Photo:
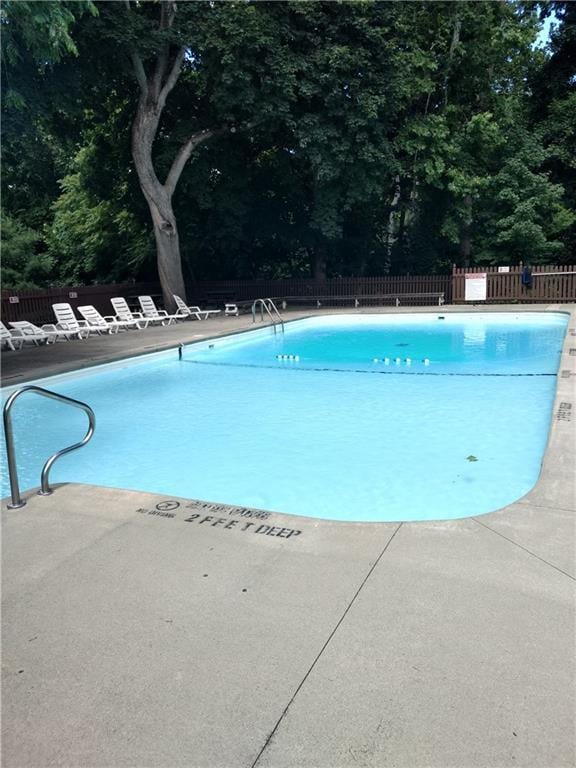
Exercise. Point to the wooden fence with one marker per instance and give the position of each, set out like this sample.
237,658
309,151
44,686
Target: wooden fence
549,284
555,285
334,288
36,306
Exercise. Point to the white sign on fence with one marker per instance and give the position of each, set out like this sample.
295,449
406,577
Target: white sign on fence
475,286
503,269
13,300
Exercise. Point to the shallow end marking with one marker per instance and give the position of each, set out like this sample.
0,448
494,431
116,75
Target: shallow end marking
226,517
564,412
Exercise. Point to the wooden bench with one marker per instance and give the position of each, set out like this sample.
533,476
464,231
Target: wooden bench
397,297
357,301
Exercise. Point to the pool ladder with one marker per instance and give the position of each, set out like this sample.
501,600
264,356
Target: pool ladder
45,489
268,306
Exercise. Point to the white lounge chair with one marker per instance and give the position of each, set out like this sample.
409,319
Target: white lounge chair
194,311
124,313
11,339
106,324
158,315
66,320
47,333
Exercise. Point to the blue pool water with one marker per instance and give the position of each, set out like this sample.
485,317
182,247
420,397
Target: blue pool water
333,434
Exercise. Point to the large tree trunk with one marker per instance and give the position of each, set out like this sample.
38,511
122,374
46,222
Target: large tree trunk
159,201
155,86
392,228
319,265
169,261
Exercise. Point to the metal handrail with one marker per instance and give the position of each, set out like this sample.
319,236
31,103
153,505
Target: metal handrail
45,490
269,306
274,308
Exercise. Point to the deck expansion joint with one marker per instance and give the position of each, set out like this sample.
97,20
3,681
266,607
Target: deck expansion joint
330,636
524,549
549,507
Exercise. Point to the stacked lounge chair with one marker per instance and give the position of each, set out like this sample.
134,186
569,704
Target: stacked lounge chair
66,320
123,312
47,333
107,324
68,326
13,340
156,315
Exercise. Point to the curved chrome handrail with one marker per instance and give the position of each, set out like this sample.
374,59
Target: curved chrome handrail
274,308
268,305
45,490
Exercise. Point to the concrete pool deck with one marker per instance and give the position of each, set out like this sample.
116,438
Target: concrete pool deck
146,631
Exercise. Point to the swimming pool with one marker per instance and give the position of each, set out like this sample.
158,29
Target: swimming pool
351,417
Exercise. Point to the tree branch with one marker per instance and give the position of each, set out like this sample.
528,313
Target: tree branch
173,76
138,65
140,73
182,158
167,13
159,71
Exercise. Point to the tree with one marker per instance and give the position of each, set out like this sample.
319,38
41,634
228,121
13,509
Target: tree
278,139
35,38
95,234
553,106
155,87
23,266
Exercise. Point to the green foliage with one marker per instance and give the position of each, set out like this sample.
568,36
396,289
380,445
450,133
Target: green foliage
499,189
553,106
382,136
42,28
23,266
523,211
93,237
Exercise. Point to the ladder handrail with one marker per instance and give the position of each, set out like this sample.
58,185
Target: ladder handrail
17,501
269,306
263,306
273,307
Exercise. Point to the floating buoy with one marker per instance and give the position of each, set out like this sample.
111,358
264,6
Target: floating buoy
375,360
386,361
397,360
426,361
408,361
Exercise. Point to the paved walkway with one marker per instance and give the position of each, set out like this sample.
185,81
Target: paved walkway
146,631
48,360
